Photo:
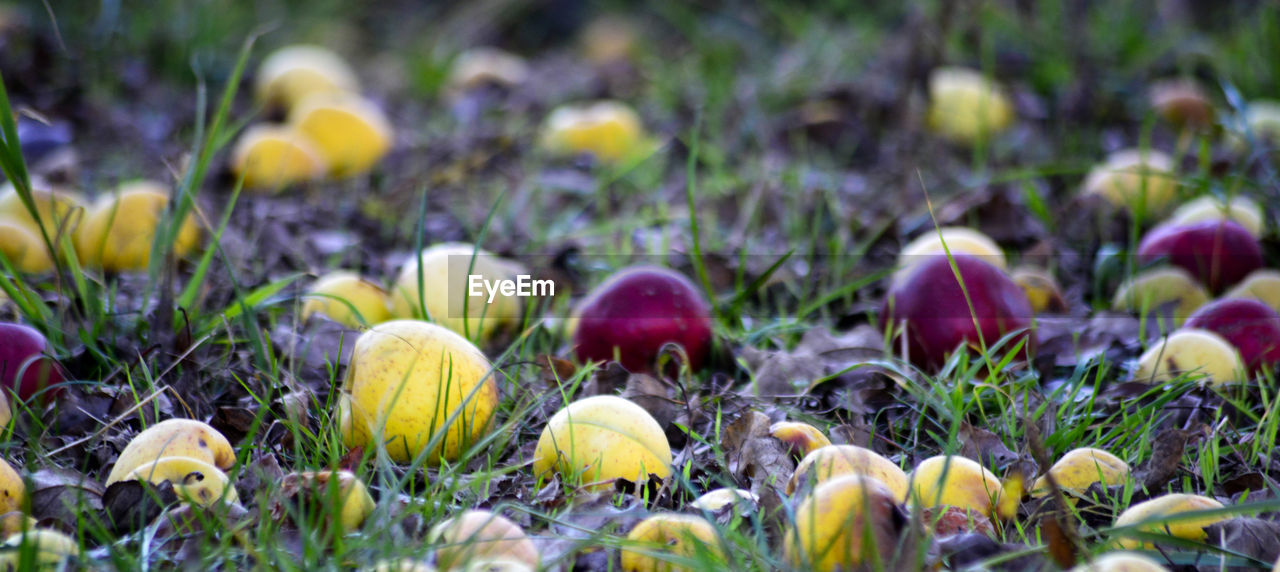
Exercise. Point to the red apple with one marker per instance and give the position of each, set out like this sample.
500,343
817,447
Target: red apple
25,367
1251,326
1219,253
929,307
636,311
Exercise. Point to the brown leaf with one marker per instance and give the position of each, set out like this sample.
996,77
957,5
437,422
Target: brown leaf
1167,449
131,505
949,520
63,495
553,371
1251,537
650,393
984,446
754,454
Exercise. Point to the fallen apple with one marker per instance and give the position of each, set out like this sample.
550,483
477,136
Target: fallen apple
800,438
484,67
596,440
1079,469
193,480
290,74
1262,285
691,541
1250,325
410,382
1261,123
608,130
273,157
173,438
965,106
834,461
26,368
118,231
351,132
24,248
460,287
1166,292
950,239
38,549
1135,178
1154,517
1219,253
1042,290
845,524
13,491
355,504
59,210
937,314
1183,103
610,39
635,312
960,482
1201,353
348,299
1241,209
480,534
718,499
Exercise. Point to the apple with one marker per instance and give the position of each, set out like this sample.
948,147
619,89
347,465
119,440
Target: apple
292,73
273,157
602,438
13,490
960,482
1152,517
611,131
1190,350
1121,562
833,461
25,366
931,310
1135,177
957,240
118,231
446,290
1182,103
1152,290
1262,120
38,549
477,534
799,438
24,248
1042,290
843,525
1262,285
58,208
670,535
351,132
1251,326
1219,253
348,299
636,311
1079,469
485,66
413,384
1241,209
965,106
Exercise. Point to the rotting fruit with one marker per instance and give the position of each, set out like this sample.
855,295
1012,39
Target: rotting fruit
637,311
602,438
355,502
409,381
193,480
1079,469
1153,517
932,311
174,438
800,438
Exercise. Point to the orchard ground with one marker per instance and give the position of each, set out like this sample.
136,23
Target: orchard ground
792,162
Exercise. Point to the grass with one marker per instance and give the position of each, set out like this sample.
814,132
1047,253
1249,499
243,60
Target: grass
205,336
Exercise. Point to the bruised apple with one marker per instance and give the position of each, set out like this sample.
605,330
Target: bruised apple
1251,326
1219,253
25,366
638,310
932,311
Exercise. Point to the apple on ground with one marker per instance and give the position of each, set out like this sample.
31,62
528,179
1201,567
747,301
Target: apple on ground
1219,253
932,310
1251,326
636,311
26,368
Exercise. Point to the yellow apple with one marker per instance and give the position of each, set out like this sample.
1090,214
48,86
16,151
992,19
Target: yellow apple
1134,177
447,284
1191,350
965,106
292,73
600,439
348,299
609,130
272,157
350,132
836,460
118,231
477,534
657,540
